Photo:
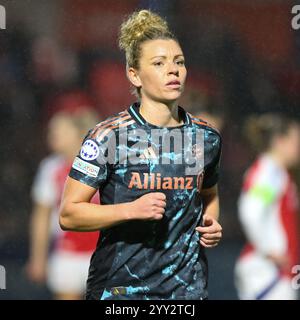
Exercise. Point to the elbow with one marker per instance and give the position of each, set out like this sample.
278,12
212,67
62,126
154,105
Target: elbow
66,219
64,224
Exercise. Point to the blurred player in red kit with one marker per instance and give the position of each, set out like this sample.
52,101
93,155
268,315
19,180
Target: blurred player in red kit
59,258
268,211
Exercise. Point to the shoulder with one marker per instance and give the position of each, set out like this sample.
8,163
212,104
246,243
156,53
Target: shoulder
265,175
51,162
272,174
108,127
46,171
212,137
203,124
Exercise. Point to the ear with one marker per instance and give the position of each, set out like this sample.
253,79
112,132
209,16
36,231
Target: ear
133,77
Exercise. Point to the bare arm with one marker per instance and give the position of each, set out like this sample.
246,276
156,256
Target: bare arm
76,213
252,212
211,230
39,242
211,202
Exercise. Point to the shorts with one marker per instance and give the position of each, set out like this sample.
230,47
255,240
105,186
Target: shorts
257,278
68,272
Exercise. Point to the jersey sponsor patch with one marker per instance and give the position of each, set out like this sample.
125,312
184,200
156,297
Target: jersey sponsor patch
85,167
89,150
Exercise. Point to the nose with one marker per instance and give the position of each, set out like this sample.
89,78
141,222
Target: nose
173,69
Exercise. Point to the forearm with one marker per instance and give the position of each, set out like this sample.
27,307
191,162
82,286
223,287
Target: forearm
84,216
39,233
212,209
210,230
78,214
211,204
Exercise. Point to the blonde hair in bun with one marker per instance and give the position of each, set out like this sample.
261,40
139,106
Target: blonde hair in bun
139,27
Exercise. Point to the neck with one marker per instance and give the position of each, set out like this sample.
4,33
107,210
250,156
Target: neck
160,114
278,158
69,155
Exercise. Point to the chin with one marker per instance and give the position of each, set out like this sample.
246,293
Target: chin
173,96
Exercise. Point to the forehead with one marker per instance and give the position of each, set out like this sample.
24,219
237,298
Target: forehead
295,129
160,47
59,121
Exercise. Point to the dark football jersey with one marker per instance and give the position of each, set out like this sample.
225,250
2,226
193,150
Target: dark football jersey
126,157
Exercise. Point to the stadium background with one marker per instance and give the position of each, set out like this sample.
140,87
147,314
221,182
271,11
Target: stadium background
56,54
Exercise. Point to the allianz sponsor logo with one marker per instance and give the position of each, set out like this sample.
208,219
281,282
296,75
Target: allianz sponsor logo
2,18
156,181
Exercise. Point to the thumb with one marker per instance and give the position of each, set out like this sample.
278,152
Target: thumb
207,221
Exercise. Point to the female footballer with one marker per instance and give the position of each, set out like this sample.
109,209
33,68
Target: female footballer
61,259
156,167
268,211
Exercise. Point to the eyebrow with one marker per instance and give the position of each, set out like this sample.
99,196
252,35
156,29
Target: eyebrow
178,55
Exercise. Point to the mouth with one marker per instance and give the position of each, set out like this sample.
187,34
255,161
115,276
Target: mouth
175,84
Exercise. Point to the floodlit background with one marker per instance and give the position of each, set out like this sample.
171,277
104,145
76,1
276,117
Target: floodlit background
57,54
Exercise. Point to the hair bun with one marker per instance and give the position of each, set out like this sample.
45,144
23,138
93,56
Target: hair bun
141,25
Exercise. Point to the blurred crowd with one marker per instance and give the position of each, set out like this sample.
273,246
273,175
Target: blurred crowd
229,77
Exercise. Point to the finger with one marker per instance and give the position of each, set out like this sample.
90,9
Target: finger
160,210
157,210
209,242
207,220
160,203
211,239
210,229
159,196
158,216
207,245
212,236
203,244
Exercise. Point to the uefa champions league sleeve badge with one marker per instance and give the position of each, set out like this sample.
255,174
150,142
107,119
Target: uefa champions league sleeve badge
89,150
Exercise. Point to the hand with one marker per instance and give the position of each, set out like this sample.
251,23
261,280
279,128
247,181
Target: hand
281,261
150,206
36,271
211,232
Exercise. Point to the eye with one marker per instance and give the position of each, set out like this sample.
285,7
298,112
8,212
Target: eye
180,62
158,63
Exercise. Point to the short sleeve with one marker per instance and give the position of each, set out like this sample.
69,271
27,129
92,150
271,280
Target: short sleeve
43,189
90,166
213,148
268,186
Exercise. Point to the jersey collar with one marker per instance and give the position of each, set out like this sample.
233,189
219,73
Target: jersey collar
135,113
